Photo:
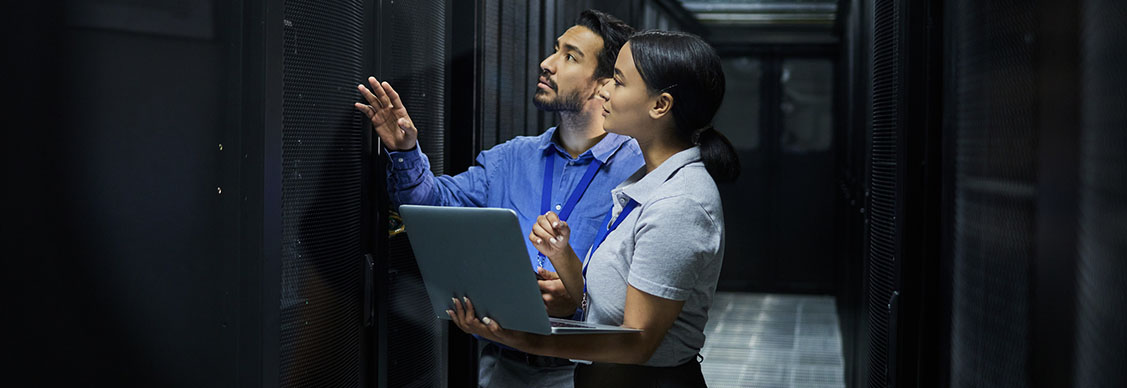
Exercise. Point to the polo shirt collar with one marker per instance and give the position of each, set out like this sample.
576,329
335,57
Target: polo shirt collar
644,187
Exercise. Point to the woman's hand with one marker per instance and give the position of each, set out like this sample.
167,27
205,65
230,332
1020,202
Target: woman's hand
550,236
487,328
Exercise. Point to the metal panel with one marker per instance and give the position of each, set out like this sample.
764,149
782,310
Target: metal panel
883,187
1102,245
414,56
416,348
321,194
994,105
535,54
414,49
491,72
509,66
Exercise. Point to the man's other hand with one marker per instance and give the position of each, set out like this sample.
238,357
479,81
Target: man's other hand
556,298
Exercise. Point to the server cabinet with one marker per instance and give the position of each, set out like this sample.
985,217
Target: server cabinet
308,242
1101,275
1101,287
413,55
891,183
212,231
322,247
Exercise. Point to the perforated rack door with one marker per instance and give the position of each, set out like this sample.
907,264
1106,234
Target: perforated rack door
883,233
994,105
413,58
1102,271
321,274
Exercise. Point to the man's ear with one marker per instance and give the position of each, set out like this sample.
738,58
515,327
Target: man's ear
662,106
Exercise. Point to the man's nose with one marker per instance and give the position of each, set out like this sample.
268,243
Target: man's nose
546,65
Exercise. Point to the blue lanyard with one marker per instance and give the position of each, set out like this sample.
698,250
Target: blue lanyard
546,194
602,236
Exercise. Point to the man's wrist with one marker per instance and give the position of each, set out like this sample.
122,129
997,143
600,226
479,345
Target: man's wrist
389,150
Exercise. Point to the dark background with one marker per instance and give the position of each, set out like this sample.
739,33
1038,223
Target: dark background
192,200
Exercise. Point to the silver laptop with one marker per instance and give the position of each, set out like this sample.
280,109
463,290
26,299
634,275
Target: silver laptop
480,253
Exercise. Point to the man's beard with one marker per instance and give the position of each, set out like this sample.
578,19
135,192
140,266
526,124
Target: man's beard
562,103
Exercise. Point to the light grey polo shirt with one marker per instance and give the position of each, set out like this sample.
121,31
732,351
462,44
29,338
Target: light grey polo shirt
670,246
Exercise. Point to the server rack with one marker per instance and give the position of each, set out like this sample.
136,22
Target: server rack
1100,273
981,219
890,175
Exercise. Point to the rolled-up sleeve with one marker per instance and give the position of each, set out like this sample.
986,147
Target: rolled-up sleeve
675,240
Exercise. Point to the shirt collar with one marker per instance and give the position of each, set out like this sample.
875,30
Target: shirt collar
641,186
602,150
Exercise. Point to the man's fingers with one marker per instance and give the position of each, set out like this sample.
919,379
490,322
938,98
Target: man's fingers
381,94
545,274
405,124
372,95
367,94
394,96
365,109
546,286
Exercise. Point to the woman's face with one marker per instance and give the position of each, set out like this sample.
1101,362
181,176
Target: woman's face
628,100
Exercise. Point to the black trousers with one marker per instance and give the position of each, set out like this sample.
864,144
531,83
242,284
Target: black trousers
619,375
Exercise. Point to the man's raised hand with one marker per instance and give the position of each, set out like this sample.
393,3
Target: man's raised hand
388,116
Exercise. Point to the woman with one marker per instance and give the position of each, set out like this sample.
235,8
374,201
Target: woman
656,265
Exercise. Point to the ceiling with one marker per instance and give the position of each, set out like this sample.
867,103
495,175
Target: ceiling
766,21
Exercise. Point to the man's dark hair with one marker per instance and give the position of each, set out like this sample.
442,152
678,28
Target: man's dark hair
614,32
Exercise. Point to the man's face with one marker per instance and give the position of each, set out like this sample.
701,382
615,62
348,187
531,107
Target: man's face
567,79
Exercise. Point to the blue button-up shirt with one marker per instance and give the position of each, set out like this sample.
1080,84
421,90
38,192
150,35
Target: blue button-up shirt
511,175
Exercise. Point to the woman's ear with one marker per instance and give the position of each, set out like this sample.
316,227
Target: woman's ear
662,106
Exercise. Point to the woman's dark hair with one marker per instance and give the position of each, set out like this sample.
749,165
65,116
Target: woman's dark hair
687,68
614,32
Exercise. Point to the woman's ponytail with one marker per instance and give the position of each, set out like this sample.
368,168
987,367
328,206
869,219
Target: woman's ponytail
687,68
718,155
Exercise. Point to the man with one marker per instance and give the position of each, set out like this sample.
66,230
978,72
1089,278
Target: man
569,169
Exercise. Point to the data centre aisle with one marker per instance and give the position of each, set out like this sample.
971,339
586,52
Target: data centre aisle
772,340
